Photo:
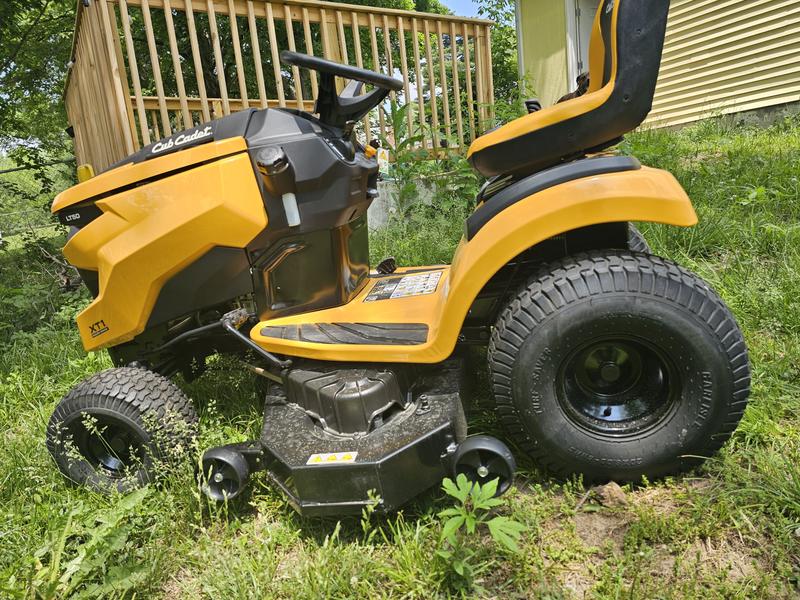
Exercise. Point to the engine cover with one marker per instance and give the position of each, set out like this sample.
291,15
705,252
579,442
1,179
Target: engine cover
348,400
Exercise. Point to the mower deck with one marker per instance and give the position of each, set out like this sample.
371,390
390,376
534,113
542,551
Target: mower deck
394,317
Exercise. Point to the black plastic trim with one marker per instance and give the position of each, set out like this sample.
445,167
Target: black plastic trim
524,188
366,334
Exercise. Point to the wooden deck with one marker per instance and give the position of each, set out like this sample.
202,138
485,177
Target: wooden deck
142,69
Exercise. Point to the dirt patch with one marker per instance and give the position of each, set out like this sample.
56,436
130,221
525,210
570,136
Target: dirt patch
179,584
727,556
596,529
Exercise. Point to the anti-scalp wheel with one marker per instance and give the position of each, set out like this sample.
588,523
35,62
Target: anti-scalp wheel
482,459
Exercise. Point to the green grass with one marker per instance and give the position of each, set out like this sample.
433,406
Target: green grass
728,530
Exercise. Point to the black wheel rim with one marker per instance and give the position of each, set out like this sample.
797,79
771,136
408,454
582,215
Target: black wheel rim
108,444
618,386
223,480
482,466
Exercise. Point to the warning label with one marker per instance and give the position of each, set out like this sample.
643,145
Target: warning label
418,284
332,458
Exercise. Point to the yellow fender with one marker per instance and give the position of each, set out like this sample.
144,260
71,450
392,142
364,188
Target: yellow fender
642,195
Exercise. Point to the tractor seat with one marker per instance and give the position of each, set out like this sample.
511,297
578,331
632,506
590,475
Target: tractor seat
624,59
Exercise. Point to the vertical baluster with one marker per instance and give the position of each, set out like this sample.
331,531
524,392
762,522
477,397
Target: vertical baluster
117,65
420,85
323,26
342,38
251,24
443,79
151,44
387,45
223,87
432,85
404,70
468,78
376,62
480,75
310,50
134,68
156,131
359,64
276,62
456,83
197,61
176,63
490,76
298,82
237,54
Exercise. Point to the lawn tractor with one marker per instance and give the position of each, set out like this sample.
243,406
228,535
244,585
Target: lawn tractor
248,236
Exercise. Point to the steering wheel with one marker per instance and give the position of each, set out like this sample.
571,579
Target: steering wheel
338,110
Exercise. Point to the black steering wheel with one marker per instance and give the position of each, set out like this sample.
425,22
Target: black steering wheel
338,110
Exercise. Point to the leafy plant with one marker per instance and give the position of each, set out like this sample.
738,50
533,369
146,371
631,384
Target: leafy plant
82,560
466,522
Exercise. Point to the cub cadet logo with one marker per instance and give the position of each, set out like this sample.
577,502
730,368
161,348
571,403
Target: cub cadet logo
98,328
181,140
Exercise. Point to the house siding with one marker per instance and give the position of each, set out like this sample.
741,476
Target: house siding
727,56
720,56
544,51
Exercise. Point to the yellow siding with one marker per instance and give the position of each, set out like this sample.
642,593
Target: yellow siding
720,57
726,56
544,51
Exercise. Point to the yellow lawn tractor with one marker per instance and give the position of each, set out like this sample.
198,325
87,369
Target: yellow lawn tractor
248,235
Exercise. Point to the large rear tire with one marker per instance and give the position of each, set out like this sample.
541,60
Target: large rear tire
119,429
617,366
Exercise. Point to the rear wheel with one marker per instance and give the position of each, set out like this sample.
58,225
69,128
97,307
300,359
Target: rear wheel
617,366
119,429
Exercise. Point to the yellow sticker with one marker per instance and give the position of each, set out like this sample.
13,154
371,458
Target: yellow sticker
332,458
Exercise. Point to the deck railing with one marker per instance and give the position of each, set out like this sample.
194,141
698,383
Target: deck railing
142,69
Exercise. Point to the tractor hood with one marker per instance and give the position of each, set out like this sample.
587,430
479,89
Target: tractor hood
133,173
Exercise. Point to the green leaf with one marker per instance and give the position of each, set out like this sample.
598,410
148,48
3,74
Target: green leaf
451,527
471,522
458,567
450,488
488,490
506,532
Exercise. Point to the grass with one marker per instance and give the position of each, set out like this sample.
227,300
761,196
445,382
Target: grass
728,530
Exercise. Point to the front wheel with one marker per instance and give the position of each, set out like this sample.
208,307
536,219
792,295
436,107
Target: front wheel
119,429
617,366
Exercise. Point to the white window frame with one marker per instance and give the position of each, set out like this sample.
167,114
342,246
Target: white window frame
571,12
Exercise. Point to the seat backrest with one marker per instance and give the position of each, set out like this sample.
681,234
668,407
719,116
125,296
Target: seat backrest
624,60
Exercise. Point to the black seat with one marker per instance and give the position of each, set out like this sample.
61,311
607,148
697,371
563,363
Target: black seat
625,56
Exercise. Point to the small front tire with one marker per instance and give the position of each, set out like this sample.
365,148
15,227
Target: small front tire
617,366
118,429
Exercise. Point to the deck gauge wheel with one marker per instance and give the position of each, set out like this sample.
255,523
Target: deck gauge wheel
225,474
483,459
